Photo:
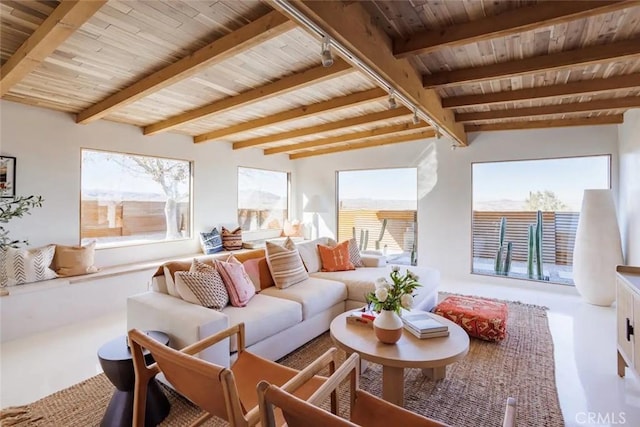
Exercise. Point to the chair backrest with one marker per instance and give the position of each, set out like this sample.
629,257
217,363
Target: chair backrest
209,386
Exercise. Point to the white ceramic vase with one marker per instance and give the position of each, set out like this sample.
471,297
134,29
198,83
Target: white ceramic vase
388,327
597,248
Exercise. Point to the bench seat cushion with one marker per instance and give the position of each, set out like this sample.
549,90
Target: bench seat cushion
314,294
264,316
481,318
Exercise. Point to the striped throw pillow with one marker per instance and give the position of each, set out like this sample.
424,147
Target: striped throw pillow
232,240
285,264
25,266
205,289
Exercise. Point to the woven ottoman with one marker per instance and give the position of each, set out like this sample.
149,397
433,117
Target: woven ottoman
481,318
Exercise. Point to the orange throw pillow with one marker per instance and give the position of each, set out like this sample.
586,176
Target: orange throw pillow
336,258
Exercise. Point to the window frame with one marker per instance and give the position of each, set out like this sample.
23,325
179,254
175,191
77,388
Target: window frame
114,245
257,232
609,157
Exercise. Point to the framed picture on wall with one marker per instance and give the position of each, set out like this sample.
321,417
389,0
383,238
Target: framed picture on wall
8,176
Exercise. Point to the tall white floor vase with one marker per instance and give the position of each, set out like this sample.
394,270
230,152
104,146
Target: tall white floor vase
597,248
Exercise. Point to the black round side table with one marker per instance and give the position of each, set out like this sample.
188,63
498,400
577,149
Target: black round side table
117,363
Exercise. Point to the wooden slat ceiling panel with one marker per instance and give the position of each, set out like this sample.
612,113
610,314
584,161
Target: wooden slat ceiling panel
590,72
596,30
19,20
287,54
126,40
552,101
317,120
352,82
553,117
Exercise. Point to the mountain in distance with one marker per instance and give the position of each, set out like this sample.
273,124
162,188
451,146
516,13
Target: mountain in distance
378,205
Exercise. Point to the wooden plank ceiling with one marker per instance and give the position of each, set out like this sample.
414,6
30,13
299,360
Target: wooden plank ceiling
246,73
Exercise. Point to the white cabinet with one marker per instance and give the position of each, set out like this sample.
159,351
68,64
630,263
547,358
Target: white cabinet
628,316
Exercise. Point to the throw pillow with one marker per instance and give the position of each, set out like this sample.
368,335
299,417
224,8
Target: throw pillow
258,271
170,269
239,285
310,254
354,253
75,260
25,266
201,267
211,242
292,228
205,289
232,240
336,258
285,264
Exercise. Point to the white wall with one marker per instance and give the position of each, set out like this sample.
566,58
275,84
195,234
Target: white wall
444,212
629,195
47,147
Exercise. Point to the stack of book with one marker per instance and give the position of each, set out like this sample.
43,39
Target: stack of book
361,317
424,325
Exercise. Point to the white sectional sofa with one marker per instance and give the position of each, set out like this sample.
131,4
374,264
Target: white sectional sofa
277,321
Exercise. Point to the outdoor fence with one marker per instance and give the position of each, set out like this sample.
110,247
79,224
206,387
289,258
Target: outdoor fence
127,218
399,235
559,231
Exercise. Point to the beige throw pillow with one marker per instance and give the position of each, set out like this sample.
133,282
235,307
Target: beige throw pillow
285,264
75,260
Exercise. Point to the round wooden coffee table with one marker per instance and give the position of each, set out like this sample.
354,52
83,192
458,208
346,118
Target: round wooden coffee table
432,355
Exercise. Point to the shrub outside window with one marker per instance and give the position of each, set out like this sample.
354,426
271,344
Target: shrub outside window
131,199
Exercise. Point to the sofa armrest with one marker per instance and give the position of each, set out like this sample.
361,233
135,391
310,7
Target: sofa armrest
370,260
185,323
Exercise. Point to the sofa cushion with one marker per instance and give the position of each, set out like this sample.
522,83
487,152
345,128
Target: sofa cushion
361,281
263,316
354,253
206,289
232,239
259,273
239,285
335,258
75,260
285,264
211,242
21,266
315,295
310,254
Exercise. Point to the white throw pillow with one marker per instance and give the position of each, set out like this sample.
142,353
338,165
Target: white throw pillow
310,254
21,266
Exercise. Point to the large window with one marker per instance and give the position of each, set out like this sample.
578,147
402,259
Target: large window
379,208
263,198
507,197
128,199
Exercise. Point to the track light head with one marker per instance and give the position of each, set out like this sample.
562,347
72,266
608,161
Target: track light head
326,55
415,119
438,133
392,101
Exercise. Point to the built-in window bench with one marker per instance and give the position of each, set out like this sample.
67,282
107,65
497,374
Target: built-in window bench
41,306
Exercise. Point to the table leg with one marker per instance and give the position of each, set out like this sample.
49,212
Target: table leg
435,373
393,385
363,363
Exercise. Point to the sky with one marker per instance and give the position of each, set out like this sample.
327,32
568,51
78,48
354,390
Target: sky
381,184
568,178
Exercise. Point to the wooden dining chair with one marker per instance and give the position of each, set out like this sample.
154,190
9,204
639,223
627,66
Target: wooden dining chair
365,408
228,393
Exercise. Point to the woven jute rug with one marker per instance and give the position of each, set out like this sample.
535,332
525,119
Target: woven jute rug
473,393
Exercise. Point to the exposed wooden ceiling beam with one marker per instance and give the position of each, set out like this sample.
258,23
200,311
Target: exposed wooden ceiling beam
541,124
505,24
555,61
352,26
66,18
574,107
566,89
270,90
366,144
328,106
242,39
327,127
395,129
